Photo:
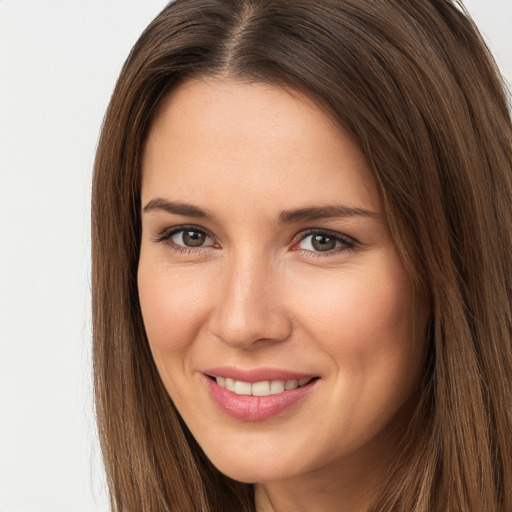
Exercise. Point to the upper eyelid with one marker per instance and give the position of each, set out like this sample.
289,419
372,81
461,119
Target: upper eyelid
319,231
170,231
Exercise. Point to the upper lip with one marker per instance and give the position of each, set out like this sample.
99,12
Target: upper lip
252,375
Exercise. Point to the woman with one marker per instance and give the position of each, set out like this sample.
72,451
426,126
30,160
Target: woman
301,250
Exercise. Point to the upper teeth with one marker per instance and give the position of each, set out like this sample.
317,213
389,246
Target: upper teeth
264,388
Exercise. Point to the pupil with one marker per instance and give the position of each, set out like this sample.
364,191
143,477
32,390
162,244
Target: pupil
323,243
193,238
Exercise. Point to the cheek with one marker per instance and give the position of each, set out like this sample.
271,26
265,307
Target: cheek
173,308
365,323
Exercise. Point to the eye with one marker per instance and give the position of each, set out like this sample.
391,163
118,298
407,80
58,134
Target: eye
185,238
190,238
324,241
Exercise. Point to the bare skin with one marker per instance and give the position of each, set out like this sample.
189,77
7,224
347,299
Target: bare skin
263,246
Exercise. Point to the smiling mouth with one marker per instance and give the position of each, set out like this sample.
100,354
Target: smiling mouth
263,388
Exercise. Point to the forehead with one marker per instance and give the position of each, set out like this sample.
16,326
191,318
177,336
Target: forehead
252,139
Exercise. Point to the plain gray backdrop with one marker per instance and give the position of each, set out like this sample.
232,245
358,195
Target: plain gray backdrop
58,64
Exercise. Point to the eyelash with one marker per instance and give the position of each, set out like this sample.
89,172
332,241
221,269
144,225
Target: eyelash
347,243
166,236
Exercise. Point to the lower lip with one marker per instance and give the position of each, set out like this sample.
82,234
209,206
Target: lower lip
256,408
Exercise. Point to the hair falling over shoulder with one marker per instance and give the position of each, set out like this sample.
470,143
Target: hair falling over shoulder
415,85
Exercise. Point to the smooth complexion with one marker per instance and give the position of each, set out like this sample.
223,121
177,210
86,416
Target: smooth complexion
264,252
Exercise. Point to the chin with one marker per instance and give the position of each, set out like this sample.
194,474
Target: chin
251,473
257,465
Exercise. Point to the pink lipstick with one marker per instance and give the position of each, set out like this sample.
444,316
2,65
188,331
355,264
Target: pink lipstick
257,394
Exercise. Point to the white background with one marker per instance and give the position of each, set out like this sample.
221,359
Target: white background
58,64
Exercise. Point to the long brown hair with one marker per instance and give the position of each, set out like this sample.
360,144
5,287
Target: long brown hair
416,87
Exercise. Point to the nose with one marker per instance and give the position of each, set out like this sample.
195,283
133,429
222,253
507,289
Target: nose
250,308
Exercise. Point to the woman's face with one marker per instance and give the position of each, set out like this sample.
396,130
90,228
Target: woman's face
266,264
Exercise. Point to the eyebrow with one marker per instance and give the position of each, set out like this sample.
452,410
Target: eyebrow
187,210
325,212
286,216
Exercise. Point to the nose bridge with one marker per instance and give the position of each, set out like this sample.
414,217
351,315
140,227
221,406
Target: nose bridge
249,307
